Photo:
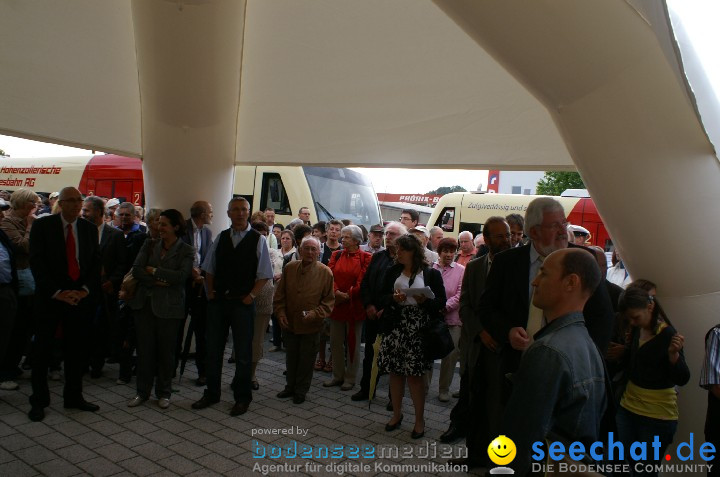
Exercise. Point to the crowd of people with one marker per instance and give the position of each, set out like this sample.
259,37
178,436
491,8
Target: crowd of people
551,342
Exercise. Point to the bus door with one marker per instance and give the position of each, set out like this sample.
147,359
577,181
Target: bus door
274,195
103,188
123,190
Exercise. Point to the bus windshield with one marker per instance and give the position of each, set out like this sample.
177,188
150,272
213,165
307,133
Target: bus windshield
343,194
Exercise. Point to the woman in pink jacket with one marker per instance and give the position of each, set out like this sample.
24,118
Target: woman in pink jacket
452,274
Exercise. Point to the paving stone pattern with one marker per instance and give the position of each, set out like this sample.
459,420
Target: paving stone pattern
149,441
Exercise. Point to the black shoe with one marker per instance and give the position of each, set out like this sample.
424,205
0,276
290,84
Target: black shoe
417,435
239,408
82,405
255,385
285,393
391,427
298,399
360,396
36,414
452,434
201,381
204,402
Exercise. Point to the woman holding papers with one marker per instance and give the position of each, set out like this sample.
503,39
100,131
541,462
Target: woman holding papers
413,294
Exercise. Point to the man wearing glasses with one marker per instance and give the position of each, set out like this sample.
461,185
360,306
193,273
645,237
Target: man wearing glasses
65,263
370,294
505,307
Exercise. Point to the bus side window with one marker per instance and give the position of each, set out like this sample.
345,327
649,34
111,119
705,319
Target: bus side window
274,195
471,227
446,219
249,198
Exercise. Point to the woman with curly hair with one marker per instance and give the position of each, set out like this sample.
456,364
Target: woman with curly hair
405,314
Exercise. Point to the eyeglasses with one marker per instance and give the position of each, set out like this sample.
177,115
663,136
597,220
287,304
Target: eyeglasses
555,226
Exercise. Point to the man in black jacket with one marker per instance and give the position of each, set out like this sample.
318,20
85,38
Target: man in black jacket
65,262
370,293
105,330
505,310
200,237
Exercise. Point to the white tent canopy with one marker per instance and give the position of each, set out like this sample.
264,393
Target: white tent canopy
368,83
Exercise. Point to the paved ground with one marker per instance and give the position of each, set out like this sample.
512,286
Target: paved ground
146,440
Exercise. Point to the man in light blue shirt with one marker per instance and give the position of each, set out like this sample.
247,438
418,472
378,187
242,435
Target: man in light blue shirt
236,268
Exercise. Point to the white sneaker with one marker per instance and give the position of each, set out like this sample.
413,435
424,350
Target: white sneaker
55,376
444,397
163,403
9,386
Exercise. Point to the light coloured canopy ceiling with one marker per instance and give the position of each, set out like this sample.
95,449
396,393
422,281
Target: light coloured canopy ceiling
323,81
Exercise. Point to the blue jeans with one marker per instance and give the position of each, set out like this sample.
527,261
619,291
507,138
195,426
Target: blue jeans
223,315
633,427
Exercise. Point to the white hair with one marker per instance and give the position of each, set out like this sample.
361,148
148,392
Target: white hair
466,234
537,208
397,225
355,232
310,238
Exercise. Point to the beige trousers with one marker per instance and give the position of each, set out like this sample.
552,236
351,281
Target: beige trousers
344,369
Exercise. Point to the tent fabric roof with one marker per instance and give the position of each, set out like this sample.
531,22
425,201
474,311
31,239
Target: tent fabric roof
369,83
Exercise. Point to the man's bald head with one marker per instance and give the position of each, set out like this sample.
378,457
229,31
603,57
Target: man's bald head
601,259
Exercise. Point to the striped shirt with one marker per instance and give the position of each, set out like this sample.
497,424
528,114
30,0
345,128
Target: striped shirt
710,373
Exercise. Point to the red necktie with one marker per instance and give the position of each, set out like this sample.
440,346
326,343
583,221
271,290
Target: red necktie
73,268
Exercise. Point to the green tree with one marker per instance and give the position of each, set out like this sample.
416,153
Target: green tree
3,154
446,190
556,182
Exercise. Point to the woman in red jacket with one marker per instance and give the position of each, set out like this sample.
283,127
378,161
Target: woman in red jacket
348,266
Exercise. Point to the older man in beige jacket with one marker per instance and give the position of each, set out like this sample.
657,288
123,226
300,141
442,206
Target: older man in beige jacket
304,297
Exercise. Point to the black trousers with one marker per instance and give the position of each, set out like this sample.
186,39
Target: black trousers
372,329
105,337
13,331
488,392
75,322
8,305
197,307
460,413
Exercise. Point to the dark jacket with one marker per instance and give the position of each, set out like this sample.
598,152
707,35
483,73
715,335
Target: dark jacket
173,269
505,303
371,286
649,366
48,258
391,313
13,266
205,237
112,256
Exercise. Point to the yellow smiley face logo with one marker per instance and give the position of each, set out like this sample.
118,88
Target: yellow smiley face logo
502,450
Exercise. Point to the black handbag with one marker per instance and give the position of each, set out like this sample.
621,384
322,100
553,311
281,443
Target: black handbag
436,340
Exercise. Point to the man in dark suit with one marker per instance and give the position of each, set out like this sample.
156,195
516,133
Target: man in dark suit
477,348
65,263
200,237
505,310
8,300
105,330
